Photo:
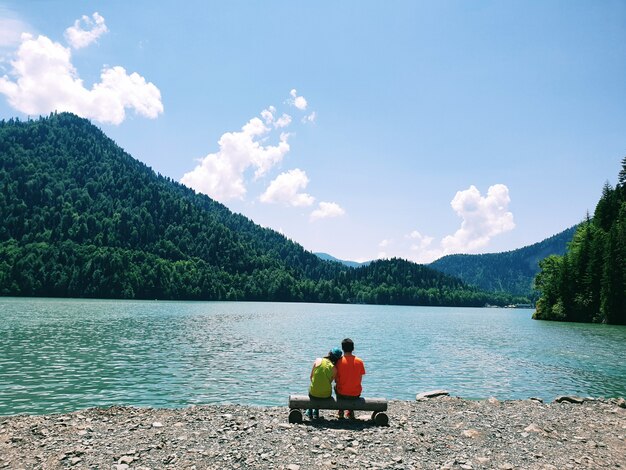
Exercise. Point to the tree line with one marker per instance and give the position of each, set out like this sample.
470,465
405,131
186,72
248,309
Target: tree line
82,218
512,271
588,283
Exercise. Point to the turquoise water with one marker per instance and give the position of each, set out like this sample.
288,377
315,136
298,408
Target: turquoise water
63,355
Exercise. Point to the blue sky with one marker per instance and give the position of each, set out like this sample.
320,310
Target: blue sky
358,128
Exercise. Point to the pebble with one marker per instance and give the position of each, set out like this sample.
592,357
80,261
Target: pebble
434,433
532,427
471,433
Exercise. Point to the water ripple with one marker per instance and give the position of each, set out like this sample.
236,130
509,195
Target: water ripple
63,355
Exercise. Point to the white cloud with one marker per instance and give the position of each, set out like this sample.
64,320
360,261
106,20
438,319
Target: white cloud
282,121
117,90
298,101
384,243
77,37
326,210
310,117
11,29
46,81
268,115
419,241
483,218
221,174
284,189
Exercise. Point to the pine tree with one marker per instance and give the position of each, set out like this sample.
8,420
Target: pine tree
621,178
613,282
589,283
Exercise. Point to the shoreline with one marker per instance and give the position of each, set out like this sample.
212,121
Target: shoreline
442,433
422,396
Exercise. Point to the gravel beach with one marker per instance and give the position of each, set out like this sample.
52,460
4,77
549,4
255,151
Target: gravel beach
437,433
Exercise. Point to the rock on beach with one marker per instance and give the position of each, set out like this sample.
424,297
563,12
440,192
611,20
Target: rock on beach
432,394
446,433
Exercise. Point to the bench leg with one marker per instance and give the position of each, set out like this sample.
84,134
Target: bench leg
380,418
295,416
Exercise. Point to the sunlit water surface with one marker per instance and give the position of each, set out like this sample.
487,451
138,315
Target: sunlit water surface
63,355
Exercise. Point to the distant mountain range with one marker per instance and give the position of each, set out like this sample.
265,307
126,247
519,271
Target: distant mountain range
351,264
82,218
511,271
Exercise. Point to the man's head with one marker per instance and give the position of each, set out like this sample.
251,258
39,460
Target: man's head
347,345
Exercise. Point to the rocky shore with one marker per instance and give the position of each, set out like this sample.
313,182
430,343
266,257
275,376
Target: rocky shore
437,433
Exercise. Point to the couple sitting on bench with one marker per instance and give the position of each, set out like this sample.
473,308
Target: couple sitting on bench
345,369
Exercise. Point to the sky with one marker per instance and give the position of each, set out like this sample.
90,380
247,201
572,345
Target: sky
362,129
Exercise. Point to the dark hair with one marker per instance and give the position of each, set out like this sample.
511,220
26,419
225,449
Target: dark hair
347,345
334,355
332,358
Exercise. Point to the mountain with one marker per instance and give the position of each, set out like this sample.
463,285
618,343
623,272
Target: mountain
588,283
82,218
351,264
511,271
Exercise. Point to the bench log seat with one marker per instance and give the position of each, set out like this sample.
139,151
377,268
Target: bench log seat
377,405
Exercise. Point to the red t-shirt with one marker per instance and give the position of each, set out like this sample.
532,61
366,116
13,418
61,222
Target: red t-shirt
349,372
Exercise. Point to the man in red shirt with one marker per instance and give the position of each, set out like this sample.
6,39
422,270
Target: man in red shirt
350,369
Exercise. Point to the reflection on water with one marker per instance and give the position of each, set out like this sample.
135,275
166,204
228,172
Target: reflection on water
61,355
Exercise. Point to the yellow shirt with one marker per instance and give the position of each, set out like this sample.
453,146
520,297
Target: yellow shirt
322,379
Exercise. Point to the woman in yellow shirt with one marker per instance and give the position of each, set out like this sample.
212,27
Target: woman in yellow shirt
322,376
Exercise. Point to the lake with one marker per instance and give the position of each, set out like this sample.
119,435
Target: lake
59,355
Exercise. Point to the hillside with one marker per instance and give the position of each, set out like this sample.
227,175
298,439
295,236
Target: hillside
351,264
588,283
82,218
511,271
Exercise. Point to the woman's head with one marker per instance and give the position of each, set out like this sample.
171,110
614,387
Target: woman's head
334,355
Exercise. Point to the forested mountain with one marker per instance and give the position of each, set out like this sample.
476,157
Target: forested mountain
588,283
511,271
82,218
352,264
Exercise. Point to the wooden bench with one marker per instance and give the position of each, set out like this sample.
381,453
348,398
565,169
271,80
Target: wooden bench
302,402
